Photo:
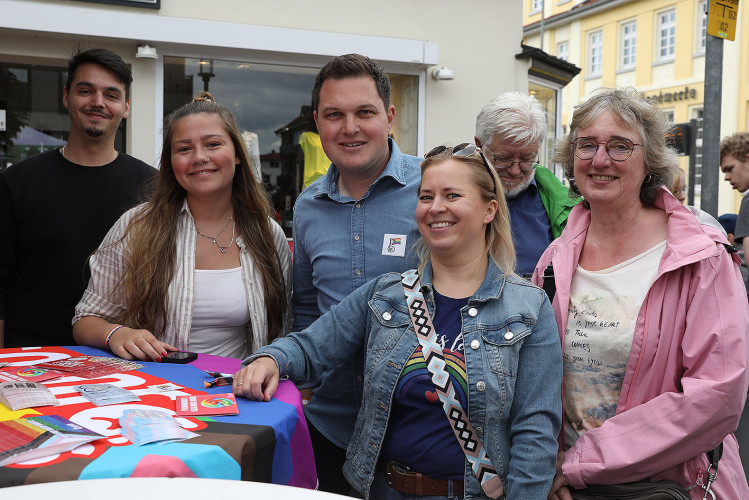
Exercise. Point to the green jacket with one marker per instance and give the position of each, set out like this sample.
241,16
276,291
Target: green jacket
556,199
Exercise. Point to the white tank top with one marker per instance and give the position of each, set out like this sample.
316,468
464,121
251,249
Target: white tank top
220,313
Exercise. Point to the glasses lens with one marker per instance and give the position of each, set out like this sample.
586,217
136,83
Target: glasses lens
585,148
619,149
464,149
435,151
527,165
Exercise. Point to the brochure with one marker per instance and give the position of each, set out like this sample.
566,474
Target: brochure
25,439
207,404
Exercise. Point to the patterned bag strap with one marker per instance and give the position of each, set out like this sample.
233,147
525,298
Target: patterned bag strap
435,361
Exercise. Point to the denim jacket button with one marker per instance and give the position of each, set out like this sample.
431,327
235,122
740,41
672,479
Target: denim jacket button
480,385
475,344
387,316
472,312
509,335
480,431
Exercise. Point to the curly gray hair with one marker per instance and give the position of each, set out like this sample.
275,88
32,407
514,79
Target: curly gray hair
633,111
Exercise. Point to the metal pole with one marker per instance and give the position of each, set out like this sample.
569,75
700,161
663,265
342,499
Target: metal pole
711,124
692,159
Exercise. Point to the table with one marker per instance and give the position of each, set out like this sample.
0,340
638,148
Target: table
159,488
267,442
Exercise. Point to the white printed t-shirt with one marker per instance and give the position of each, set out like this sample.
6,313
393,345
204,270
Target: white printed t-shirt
604,306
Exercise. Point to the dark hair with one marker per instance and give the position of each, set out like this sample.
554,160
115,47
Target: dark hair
352,66
148,277
104,58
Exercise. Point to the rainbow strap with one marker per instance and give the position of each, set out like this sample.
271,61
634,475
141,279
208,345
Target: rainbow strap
456,415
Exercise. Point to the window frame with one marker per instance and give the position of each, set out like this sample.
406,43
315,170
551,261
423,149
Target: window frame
595,60
670,38
564,55
623,39
700,27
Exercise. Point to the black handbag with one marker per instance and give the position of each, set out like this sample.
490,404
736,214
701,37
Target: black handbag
639,490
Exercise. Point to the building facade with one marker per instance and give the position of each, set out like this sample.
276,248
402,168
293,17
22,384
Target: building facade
259,58
655,46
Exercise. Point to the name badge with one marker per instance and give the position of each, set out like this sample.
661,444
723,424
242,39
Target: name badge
394,245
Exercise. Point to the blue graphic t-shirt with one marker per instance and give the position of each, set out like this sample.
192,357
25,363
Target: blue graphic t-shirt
419,434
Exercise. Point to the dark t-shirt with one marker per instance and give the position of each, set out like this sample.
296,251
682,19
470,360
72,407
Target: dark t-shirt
53,215
419,434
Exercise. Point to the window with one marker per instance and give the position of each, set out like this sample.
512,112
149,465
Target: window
595,53
536,6
627,44
701,26
666,35
669,115
563,50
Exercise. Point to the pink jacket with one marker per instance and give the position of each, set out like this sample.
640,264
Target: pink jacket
686,379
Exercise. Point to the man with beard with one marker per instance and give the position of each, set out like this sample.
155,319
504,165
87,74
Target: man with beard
56,207
509,131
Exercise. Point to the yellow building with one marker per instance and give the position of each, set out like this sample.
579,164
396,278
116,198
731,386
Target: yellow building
656,46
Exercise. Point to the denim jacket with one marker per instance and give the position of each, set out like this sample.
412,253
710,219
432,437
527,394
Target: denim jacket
514,379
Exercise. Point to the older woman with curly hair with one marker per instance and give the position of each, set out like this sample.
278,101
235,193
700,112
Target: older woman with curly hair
651,312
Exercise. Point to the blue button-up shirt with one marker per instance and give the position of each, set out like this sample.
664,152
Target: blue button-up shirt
531,229
340,244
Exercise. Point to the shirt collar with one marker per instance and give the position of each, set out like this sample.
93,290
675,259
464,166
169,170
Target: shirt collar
394,169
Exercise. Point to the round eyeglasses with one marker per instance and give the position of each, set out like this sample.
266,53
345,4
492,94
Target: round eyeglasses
504,163
618,149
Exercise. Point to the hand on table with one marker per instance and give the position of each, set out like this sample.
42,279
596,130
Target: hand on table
129,343
559,487
258,380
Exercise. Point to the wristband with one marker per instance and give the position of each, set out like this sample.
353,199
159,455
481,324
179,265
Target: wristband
109,336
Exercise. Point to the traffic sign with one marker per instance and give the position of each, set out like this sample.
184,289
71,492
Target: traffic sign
721,18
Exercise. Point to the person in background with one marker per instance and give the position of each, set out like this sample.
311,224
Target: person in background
651,312
199,267
679,186
734,163
351,225
510,130
496,334
56,207
728,222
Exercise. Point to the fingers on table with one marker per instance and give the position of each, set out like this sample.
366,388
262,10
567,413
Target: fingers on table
138,344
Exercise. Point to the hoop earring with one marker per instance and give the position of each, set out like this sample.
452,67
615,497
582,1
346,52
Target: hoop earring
648,178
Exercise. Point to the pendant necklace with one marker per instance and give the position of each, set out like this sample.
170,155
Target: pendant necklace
215,238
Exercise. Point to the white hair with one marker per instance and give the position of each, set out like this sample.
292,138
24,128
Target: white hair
514,117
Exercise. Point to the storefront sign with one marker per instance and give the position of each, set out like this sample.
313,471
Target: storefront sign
677,95
149,4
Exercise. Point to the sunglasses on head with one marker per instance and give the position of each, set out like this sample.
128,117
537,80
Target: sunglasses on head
463,149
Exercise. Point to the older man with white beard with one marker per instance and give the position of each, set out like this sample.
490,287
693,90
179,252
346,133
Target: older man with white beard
509,131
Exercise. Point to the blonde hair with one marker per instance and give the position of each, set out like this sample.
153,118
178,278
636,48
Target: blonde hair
498,233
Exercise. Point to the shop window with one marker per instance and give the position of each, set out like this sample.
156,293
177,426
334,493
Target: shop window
273,106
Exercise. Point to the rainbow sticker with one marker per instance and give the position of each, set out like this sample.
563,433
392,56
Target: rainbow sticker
31,372
216,402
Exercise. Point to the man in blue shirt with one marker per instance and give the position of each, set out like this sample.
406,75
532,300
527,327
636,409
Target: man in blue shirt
509,130
351,225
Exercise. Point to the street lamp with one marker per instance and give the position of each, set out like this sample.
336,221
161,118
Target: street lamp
205,70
